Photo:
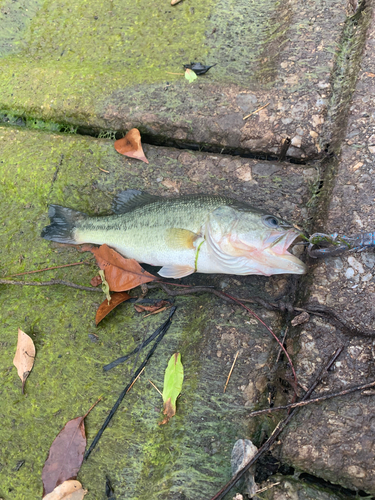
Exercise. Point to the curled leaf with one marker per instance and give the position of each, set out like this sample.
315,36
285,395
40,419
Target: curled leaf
300,319
106,307
68,490
151,309
121,274
24,357
96,280
173,378
131,146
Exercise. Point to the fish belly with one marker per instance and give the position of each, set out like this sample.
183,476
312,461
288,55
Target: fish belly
148,247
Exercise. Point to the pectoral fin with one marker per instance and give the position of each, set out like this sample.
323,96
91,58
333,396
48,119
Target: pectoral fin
175,271
183,239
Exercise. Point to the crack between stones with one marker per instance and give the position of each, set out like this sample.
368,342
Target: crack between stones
344,78
9,119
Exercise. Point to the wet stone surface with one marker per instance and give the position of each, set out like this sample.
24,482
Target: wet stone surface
52,69
96,67
191,454
335,440
290,488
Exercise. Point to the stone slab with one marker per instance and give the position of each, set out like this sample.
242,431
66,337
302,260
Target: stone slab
189,458
335,440
111,66
291,488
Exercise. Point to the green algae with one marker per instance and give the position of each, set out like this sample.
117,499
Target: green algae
71,58
60,66
192,453
14,20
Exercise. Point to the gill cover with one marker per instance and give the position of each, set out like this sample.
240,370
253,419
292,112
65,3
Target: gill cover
242,243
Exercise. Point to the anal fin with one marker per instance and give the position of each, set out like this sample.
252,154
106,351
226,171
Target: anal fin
176,271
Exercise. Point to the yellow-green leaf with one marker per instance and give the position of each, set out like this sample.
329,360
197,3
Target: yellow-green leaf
173,378
105,286
190,75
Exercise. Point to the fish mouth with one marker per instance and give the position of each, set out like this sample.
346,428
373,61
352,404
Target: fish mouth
279,258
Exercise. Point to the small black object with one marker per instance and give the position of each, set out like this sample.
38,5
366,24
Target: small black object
198,68
284,149
109,491
19,465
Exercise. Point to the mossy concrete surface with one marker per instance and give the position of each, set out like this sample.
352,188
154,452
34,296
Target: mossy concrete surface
190,457
113,65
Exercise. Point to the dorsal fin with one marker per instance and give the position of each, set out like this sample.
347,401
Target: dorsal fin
127,200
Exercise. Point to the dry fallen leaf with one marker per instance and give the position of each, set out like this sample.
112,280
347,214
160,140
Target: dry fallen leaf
155,307
65,455
131,146
24,358
105,308
68,490
96,281
121,274
168,183
300,319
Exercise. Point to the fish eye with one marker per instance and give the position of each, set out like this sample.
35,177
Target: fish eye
271,221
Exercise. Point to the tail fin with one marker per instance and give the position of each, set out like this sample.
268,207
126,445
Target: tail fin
63,223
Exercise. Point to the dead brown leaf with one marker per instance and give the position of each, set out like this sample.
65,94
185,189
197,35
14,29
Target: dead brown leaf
25,356
169,412
300,319
168,183
65,455
96,281
121,274
68,490
142,307
131,146
105,308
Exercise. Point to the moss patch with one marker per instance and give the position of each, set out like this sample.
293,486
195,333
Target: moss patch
191,454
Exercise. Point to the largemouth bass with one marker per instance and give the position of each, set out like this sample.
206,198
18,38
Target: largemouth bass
200,233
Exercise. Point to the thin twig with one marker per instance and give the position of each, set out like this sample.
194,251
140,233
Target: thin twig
123,393
238,301
51,282
48,269
102,169
231,299
318,310
277,431
230,372
256,111
136,378
228,298
157,311
315,400
267,487
154,386
283,341
93,406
